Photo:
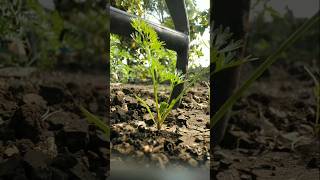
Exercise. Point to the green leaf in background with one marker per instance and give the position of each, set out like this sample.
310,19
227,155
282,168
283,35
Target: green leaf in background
265,65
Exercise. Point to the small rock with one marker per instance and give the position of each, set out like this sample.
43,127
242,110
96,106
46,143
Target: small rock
124,148
181,117
132,103
148,119
122,114
182,120
197,98
34,99
147,149
199,139
142,128
36,159
150,102
10,151
168,146
59,119
119,98
48,146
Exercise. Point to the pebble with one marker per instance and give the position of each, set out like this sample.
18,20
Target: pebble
10,151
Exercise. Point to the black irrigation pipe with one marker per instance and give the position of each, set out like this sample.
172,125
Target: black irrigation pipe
121,24
177,40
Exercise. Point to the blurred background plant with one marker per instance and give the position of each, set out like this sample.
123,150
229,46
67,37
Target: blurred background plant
126,64
269,26
50,34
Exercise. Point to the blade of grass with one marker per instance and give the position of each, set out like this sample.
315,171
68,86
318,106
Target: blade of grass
260,70
95,120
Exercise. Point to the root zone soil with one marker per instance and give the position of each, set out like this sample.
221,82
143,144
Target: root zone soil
43,134
183,140
270,135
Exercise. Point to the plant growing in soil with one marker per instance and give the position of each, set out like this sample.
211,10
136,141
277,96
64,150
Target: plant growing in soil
152,50
223,57
317,96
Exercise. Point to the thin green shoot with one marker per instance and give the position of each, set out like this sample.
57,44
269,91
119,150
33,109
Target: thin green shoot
265,65
96,121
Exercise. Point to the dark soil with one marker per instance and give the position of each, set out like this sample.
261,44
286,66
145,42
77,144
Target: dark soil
271,135
43,134
182,142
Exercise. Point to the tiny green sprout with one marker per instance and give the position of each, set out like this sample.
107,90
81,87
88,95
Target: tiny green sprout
317,96
96,121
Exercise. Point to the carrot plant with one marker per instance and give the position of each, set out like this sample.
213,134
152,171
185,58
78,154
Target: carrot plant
151,49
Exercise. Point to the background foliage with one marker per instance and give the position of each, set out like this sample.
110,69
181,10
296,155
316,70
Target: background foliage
32,35
126,64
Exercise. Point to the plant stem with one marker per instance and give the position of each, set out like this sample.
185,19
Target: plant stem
155,89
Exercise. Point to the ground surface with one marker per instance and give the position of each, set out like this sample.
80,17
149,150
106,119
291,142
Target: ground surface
43,135
270,135
183,140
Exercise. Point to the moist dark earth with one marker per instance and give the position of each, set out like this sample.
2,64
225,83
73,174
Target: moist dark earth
182,142
43,134
270,134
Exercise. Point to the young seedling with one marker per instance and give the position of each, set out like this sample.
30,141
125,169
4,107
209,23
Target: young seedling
152,50
317,96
